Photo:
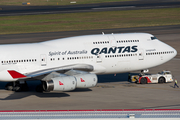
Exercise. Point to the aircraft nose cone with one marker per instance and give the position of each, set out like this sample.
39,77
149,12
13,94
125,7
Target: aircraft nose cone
175,52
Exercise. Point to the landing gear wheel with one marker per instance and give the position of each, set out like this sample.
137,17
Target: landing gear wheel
16,89
16,86
143,80
161,80
9,86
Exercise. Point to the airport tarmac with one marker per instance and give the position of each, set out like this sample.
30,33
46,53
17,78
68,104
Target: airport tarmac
111,92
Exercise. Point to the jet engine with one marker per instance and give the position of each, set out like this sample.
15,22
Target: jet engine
69,81
63,83
86,80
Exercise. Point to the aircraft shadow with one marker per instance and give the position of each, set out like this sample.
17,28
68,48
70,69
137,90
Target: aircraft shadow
20,95
32,86
80,90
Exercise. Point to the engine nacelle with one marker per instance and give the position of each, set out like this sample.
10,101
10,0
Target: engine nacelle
69,81
62,83
86,80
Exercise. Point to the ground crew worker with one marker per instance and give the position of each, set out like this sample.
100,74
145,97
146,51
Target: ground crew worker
175,84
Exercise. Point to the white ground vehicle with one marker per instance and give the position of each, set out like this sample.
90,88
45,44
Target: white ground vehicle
163,77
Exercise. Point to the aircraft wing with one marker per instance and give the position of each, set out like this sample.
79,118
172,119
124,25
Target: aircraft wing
83,67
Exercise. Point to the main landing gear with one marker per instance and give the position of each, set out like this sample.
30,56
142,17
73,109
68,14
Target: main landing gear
17,86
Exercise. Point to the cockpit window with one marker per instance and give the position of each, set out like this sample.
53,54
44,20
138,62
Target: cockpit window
153,38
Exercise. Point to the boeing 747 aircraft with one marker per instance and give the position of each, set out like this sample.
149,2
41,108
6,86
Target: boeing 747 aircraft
70,63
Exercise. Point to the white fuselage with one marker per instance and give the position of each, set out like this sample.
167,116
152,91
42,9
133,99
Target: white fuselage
108,54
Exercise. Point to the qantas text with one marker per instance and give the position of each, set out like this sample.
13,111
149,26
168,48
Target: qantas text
106,50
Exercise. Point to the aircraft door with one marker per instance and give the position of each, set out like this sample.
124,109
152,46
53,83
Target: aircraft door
43,60
112,40
141,54
99,58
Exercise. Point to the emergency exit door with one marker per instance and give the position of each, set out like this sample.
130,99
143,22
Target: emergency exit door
141,54
99,58
112,40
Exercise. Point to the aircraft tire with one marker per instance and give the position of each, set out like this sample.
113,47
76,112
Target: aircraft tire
20,87
9,86
143,80
16,89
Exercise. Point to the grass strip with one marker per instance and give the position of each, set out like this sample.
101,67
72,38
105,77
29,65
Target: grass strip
89,21
55,2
